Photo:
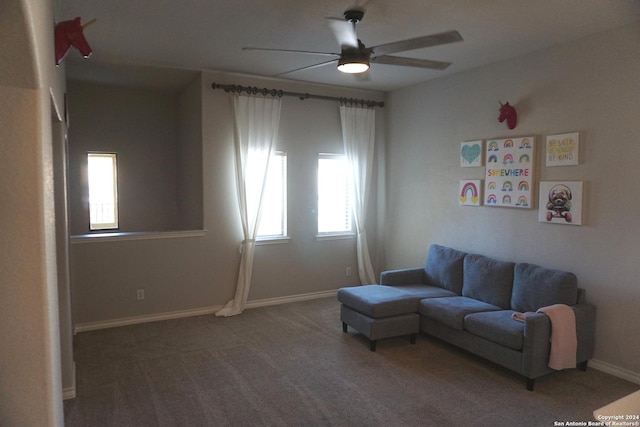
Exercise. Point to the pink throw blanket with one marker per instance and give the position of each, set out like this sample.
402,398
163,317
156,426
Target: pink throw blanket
564,342
521,317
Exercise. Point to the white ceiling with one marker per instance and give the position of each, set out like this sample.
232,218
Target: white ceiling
210,34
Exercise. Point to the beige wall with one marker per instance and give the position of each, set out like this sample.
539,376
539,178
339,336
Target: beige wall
30,361
590,86
59,152
192,273
189,157
141,126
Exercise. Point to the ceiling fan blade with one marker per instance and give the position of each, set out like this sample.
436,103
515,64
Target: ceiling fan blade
417,43
344,31
308,52
410,62
308,67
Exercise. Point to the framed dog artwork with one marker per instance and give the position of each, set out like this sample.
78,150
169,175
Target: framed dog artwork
560,202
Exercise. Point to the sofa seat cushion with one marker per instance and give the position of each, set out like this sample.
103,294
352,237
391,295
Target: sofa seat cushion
497,327
425,291
488,280
535,287
451,311
378,301
444,268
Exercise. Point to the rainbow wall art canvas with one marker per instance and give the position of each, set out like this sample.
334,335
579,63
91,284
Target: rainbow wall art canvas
469,192
509,172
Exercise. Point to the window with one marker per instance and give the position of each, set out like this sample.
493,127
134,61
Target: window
273,222
103,191
334,195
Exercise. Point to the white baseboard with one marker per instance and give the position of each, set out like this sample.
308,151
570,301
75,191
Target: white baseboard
615,371
70,391
84,327
292,298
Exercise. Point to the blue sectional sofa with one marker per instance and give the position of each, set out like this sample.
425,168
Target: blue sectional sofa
468,300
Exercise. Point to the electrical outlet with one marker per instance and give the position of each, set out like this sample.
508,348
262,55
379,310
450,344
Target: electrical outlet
140,294
347,271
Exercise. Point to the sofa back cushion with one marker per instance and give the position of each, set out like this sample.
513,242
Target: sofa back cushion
535,287
488,280
444,268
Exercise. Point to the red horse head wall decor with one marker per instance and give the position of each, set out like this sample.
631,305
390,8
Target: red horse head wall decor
508,113
70,33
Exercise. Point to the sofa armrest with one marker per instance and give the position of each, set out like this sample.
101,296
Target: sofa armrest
585,330
537,335
537,330
536,345
405,276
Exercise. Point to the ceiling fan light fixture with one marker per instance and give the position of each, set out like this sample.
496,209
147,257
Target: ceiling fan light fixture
353,66
354,56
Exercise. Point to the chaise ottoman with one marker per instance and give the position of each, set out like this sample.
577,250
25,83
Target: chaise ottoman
379,311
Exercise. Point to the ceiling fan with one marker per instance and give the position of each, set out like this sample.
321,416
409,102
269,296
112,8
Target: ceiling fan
355,57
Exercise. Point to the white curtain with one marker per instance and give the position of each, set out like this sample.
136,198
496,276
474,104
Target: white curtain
256,120
358,134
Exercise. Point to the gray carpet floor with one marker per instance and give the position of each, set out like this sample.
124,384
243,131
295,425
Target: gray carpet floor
291,365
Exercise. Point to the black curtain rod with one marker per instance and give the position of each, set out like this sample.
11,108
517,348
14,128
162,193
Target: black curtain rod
302,96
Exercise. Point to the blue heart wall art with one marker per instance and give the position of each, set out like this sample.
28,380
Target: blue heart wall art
471,154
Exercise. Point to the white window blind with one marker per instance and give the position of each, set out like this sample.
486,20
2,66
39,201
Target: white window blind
334,195
273,222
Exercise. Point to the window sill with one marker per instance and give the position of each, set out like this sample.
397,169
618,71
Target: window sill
137,235
335,236
274,240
